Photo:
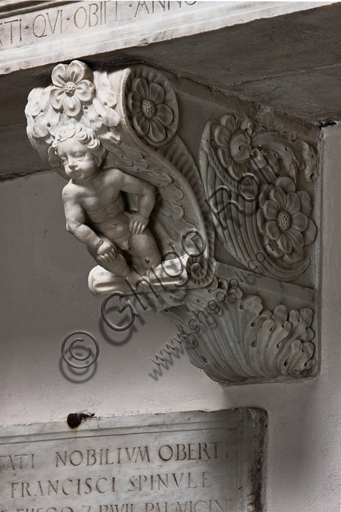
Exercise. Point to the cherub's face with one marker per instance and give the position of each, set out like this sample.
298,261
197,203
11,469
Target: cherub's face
79,163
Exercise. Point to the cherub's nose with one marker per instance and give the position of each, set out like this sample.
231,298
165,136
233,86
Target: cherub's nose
72,167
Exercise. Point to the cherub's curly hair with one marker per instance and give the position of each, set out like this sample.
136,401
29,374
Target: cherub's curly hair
82,134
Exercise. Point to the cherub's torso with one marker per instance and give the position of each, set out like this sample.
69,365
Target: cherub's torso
100,197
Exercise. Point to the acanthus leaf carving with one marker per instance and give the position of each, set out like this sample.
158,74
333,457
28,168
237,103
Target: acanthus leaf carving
231,336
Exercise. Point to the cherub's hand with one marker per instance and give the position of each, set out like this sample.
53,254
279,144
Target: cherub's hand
137,223
106,252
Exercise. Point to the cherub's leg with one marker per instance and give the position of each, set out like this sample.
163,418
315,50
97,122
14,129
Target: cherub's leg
117,266
144,250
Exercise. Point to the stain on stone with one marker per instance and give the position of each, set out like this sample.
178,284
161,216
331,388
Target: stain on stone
75,419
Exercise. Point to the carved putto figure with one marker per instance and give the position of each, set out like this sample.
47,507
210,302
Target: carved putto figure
78,126
95,210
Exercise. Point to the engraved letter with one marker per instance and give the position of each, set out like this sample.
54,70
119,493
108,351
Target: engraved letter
51,485
42,31
215,448
204,449
91,13
106,458
140,481
178,507
63,461
11,461
142,454
11,23
97,488
204,478
170,450
141,4
53,28
190,451
132,483
13,488
130,456
189,482
63,490
180,450
81,458
91,453
175,480
159,479
77,19
217,503
40,488
88,485
25,486
21,456
195,504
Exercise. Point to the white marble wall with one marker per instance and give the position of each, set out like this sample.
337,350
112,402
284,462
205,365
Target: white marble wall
45,297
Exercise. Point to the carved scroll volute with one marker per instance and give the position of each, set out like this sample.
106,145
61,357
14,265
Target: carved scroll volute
150,116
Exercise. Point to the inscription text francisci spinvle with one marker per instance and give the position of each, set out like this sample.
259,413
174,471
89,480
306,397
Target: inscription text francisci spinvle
143,469
105,481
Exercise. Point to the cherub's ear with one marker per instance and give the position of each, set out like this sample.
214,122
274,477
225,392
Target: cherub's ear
54,159
100,159
56,162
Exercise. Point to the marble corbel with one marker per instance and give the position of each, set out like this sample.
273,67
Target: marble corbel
217,232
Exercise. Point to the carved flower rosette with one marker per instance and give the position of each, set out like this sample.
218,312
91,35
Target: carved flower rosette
152,106
251,181
76,95
283,220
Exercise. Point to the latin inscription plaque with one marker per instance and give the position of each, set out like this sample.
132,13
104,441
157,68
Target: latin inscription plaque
180,462
61,29
41,32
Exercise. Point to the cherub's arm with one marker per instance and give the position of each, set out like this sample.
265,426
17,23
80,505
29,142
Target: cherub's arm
75,223
146,193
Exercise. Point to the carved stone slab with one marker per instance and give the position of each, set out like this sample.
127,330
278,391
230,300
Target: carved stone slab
33,34
180,462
